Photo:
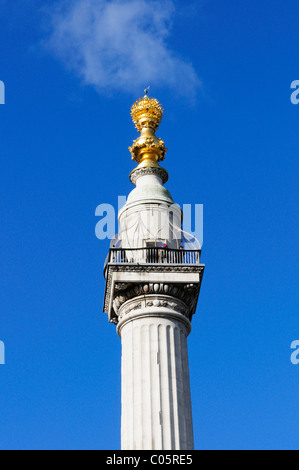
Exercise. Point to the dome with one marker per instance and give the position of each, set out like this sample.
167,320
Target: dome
149,189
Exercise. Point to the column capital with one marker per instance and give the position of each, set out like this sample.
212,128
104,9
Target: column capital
149,306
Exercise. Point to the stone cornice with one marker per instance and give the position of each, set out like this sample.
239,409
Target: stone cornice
117,293
158,268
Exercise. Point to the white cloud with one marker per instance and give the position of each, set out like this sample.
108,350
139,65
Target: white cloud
121,45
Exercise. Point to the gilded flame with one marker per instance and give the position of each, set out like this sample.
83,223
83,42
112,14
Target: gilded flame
147,113
147,150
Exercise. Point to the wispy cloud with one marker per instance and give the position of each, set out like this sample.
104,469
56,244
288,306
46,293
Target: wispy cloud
121,44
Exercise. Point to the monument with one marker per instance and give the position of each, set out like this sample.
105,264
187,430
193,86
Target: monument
153,277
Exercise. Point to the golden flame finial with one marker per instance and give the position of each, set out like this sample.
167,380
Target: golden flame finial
147,150
146,113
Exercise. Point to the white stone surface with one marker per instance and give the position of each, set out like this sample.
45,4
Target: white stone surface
170,277
156,402
148,188
150,215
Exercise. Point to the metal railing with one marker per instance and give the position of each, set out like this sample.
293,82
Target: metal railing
153,255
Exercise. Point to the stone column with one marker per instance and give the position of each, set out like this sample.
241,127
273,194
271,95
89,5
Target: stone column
156,401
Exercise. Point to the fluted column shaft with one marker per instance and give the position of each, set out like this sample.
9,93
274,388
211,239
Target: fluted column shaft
156,401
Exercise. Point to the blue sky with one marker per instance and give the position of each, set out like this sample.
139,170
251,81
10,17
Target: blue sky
222,70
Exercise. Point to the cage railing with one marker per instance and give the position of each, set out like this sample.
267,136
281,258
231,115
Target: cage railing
153,255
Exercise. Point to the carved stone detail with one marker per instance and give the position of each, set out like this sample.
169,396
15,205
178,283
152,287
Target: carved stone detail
129,309
186,293
160,172
153,304
121,286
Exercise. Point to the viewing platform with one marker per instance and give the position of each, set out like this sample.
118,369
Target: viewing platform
127,267
153,255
